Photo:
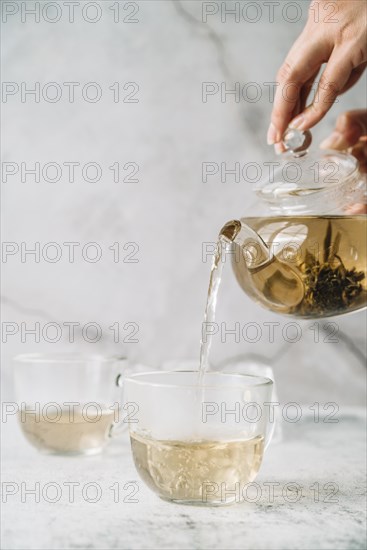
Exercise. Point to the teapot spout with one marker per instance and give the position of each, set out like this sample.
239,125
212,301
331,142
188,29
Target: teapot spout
256,252
230,231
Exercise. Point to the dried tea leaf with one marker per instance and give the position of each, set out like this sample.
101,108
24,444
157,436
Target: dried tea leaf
335,246
327,242
329,287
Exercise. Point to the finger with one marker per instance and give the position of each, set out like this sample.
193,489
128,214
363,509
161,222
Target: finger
350,127
305,92
354,77
358,208
332,81
297,69
300,105
360,152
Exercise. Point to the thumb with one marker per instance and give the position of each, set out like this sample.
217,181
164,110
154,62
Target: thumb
350,127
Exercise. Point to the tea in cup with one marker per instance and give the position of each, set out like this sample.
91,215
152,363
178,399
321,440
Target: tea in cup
68,403
198,443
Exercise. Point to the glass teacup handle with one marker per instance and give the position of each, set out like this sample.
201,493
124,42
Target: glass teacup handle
269,434
120,425
274,426
127,411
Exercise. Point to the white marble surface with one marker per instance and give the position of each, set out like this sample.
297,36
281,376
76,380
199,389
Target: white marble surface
309,454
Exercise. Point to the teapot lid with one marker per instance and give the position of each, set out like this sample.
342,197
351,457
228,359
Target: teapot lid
302,181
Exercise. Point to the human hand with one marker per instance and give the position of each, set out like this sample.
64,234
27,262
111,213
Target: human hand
350,133
341,42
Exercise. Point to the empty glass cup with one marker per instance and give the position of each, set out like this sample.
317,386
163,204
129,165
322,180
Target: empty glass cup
198,444
68,403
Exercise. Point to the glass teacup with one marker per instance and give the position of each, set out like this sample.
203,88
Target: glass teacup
198,444
68,403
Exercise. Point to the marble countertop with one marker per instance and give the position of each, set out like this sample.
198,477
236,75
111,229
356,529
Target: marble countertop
112,508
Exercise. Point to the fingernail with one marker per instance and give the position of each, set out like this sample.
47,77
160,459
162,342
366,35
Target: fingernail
279,148
272,136
334,141
297,122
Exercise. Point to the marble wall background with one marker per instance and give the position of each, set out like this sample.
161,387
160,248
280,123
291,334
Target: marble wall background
169,212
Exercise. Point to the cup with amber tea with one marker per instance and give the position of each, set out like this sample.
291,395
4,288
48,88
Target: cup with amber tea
198,440
68,404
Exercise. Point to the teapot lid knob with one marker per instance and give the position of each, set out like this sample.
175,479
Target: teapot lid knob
296,141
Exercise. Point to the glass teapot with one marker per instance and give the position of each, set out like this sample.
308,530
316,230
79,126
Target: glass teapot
303,251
